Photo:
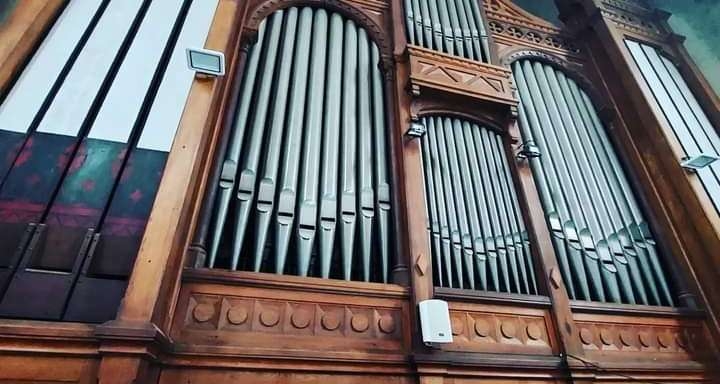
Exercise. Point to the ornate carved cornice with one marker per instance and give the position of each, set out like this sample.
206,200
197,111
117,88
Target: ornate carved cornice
512,26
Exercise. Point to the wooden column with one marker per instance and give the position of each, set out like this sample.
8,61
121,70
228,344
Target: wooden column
130,343
21,33
408,175
547,261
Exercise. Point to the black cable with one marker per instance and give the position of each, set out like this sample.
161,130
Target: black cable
605,370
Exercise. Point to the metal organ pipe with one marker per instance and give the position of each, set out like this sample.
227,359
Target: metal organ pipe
310,129
455,27
673,100
605,250
473,214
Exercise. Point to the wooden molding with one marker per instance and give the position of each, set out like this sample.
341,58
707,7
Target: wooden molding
501,329
281,323
484,82
21,33
645,340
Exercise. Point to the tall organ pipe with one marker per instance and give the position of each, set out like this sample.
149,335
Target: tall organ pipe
309,130
232,158
472,211
604,248
455,27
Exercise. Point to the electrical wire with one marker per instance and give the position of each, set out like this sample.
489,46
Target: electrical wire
601,369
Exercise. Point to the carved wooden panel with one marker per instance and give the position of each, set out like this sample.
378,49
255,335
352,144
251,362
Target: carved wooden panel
500,329
288,322
632,17
512,26
618,338
459,76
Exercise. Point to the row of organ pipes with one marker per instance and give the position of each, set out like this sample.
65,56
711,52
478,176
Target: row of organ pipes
308,155
477,232
454,27
605,248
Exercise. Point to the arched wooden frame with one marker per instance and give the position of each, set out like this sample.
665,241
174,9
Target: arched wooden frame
426,107
262,9
255,14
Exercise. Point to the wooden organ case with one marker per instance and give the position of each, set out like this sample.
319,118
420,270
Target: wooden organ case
543,203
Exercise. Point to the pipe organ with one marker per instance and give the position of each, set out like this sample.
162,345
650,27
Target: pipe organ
603,242
282,222
477,231
304,186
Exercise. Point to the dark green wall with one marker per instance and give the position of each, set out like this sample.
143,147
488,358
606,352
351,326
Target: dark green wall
699,21
5,7
542,8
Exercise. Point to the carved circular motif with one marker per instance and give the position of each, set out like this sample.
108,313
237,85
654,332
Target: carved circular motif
482,328
681,340
203,312
237,315
300,319
626,338
644,338
386,324
664,340
586,336
508,329
534,332
269,318
606,336
360,323
330,321
456,324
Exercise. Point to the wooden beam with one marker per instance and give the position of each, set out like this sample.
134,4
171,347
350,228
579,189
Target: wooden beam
21,33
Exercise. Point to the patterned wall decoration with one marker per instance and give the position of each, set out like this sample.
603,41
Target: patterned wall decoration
498,329
273,320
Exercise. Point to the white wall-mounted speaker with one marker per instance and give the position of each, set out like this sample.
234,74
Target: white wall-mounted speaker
435,322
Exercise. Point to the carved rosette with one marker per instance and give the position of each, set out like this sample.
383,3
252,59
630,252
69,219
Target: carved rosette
667,338
484,329
287,317
270,321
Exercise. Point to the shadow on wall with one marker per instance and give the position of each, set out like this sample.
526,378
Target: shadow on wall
699,21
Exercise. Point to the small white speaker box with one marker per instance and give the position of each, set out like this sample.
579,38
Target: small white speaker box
435,322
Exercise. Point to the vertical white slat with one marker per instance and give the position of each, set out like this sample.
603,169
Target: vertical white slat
167,108
669,104
32,87
124,100
72,103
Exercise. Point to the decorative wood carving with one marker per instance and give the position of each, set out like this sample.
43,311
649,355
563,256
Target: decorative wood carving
430,69
615,338
278,321
632,17
439,103
512,26
498,329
